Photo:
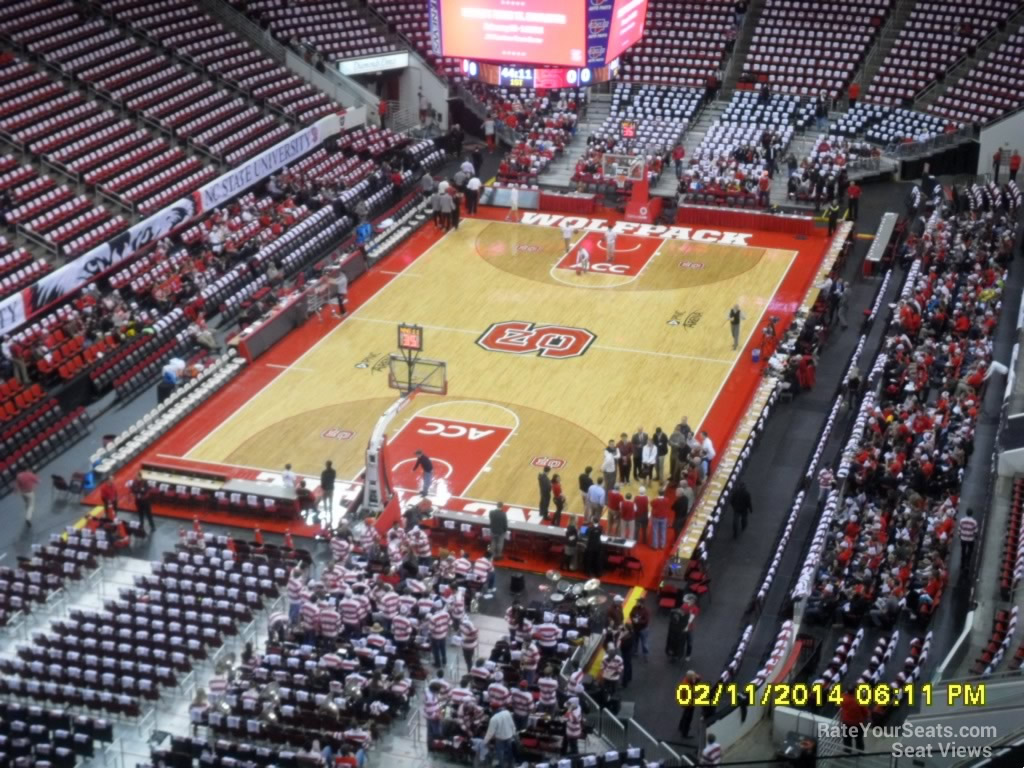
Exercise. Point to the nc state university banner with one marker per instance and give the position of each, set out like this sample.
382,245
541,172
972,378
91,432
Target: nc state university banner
21,307
16,309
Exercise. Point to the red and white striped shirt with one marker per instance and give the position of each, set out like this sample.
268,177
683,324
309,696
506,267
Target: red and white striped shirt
331,661
440,623
712,754
574,723
389,604
402,628
349,607
432,706
425,606
548,690
329,621
341,548
369,538
461,695
968,529
294,589
463,567
497,695
547,634
406,604
530,657
420,542
470,634
375,640
611,668
576,681
482,568
308,614
457,606
522,701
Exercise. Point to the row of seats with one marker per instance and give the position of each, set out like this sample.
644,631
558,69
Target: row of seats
683,43
936,35
185,398
37,444
31,736
992,88
1012,570
1004,627
334,29
131,354
183,29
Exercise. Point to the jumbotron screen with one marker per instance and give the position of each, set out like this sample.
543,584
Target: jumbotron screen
565,33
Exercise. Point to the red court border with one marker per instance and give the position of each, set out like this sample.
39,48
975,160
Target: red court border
722,419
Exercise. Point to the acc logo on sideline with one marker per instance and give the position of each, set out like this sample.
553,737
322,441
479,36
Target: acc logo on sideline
520,338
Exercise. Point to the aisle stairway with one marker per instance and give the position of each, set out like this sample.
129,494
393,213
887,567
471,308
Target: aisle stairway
666,186
559,174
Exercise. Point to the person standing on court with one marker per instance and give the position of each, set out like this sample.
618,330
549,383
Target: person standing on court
626,457
596,498
997,158
680,511
659,520
639,440
1014,164
447,205
648,460
544,484
26,482
968,530
567,233
499,530
456,205
435,206
661,443
609,463
643,506
489,133
423,462
341,287
559,499
609,245
513,203
742,506
327,478
585,481
472,195
735,318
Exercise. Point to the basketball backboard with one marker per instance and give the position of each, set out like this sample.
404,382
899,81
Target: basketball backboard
408,374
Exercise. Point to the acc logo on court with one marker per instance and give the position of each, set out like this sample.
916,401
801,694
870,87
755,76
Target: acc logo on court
519,338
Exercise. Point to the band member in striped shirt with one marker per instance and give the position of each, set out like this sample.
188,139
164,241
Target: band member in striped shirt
420,543
470,640
463,567
547,636
376,637
574,685
456,603
548,686
369,538
329,622
350,610
573,726
432,711
611,671
968,529
521,700
481,673
529,660
388,604
296,582
483,573
341,546
440,624
463,692
497,695
402,629
309,614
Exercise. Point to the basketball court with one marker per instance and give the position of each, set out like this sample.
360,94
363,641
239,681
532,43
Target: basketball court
544,363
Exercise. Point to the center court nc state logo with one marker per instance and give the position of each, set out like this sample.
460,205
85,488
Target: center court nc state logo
519,338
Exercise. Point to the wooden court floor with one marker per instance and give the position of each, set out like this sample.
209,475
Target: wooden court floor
559,361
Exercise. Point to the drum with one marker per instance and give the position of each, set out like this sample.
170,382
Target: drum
557,598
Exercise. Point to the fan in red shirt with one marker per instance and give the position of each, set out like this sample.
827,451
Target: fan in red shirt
660,509
628,514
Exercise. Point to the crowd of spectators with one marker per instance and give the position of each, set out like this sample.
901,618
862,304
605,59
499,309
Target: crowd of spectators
734,163
371,618
891,538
